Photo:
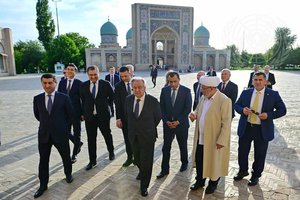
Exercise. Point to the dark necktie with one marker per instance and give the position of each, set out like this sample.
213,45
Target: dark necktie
137,108
173,97
112,80
128,89
223,87
69,87
94,90
49,103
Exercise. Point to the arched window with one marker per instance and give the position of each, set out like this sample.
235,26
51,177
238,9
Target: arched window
159,46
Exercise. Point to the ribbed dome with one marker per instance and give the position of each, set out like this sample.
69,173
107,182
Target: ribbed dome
201,32
108,28
129,34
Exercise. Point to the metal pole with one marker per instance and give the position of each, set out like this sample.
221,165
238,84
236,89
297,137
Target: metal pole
55,1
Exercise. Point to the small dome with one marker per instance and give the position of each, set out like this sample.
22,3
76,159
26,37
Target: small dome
108,28
129,34
201,32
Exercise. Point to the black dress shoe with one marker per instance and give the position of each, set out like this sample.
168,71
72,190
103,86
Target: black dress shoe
111,156
183,167
210,189
90,166
197,185
253,181
40,192
240,175
73,159
162,174
144,192
69,179
127,163
138,177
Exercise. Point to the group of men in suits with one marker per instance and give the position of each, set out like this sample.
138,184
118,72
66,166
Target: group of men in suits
269,76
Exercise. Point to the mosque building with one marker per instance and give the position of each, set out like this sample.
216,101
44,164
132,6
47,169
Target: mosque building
161,35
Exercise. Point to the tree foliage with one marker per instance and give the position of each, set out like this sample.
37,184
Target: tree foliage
257,59
29,56
44,23
294,57
235,57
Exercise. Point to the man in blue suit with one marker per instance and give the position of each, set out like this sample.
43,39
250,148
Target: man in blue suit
113,78
229,88
176,104
54,111
71,87
258,107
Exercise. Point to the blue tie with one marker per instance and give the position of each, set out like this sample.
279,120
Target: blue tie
137,108
128,89
94,90
49,104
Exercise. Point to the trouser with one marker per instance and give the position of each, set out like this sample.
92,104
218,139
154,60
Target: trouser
126,140
76,136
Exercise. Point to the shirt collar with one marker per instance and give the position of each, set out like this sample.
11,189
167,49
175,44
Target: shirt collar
52,94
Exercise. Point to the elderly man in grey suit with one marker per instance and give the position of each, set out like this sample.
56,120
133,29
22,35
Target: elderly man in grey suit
143,115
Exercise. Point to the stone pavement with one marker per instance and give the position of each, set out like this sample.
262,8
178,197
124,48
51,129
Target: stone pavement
109,181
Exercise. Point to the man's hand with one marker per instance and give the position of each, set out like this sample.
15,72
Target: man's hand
192,116
247,111
170,124
263,116
119,123
82,118
219,146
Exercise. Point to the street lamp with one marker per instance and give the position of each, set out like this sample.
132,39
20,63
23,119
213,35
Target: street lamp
55,1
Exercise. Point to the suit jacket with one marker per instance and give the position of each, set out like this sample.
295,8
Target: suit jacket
195,86
154,72
143,127
272,105
116,79
55,124
103,100
211,73
182,106
119,98
231,91
271,79
74,94
250,80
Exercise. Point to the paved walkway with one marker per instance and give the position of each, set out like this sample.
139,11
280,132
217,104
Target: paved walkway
109,181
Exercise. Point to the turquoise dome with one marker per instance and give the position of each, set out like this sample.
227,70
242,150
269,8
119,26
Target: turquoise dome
108,28
129,34
201,32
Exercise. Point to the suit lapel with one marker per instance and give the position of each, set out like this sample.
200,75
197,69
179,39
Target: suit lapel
266,99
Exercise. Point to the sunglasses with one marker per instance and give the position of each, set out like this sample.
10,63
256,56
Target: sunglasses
256,113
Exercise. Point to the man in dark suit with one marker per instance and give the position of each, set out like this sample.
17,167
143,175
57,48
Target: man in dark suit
229,88
176,104
54,111
197,89
270,77
258,107
256,69
153,74
96,97
211,71
122,90
71,87
113,79
143,114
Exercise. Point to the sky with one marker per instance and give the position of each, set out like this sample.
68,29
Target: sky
249,24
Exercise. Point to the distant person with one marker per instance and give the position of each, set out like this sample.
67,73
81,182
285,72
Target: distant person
153,74
176,104
229,88
211,71
96,96
211,147
270,77
131,69
112,77
117,72
71,87
256,69
197,89
258,107
54,111
122,90
143,114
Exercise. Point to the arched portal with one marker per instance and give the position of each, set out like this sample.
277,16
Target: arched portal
164,44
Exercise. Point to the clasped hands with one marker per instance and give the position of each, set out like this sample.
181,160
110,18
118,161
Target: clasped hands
247,111
173,124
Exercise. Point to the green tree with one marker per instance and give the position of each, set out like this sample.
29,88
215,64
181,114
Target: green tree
245,59
44,23
235,57
62,49
81,43
294,57
282,47
29,56
257,59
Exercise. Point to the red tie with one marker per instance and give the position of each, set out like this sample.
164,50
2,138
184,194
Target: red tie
223,87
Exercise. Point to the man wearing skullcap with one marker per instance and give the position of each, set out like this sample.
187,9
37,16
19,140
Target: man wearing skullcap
212,135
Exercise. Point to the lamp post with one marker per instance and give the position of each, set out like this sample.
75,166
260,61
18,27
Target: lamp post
55,1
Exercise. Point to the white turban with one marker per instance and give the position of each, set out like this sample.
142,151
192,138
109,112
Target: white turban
210,81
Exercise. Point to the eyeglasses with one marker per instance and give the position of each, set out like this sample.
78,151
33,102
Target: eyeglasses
253,111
